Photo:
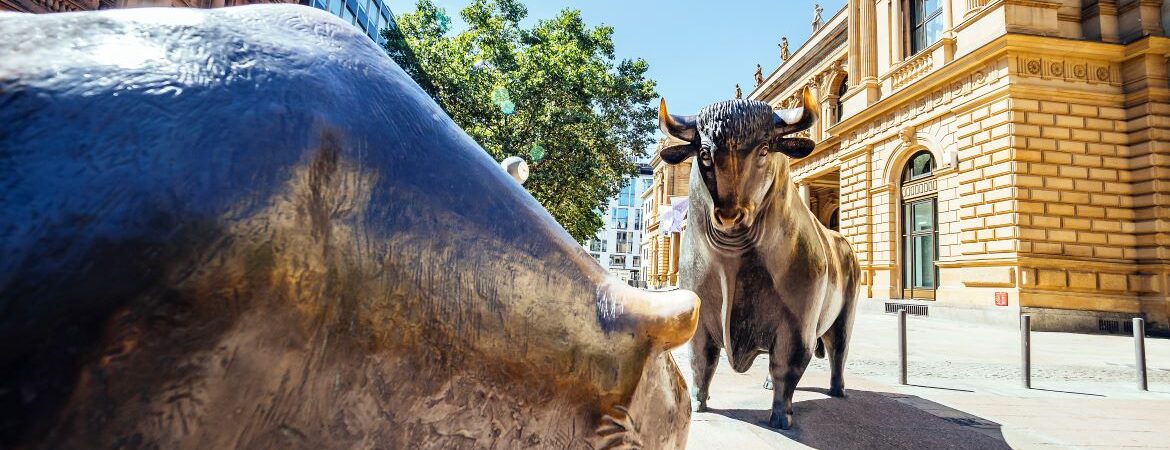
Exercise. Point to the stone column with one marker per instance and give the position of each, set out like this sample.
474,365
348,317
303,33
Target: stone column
854,36
663,258
868,53
897,34
863,44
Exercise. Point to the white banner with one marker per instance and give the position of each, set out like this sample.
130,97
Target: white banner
679,207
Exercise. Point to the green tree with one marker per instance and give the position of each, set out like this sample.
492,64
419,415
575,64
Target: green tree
553,93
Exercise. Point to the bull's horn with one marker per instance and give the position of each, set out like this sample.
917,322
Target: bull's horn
665,319
788,121
678,127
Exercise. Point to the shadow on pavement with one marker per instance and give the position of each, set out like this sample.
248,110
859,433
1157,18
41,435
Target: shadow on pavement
879,420
938,387
1066,392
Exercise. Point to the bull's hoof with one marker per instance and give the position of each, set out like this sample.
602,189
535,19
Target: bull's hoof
838,392
768,383
781,421
698,406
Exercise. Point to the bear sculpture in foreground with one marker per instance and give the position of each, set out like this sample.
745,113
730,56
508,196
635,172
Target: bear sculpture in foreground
248,228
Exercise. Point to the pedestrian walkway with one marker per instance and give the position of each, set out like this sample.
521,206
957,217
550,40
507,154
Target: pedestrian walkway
964,393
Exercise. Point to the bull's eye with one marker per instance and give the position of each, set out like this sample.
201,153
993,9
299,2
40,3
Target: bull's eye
763,150
705,157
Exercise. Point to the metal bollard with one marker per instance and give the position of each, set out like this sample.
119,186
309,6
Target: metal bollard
1026,349
1139,352
902,346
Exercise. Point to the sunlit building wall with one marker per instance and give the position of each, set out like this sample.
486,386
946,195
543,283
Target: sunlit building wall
988,159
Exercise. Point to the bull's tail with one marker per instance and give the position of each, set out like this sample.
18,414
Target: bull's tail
820,351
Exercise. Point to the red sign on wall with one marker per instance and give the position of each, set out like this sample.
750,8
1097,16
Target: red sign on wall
1001,299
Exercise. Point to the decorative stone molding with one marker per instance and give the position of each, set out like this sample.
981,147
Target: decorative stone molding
949,93
1074,70
814,163
919,188
907,135
912,69
973,6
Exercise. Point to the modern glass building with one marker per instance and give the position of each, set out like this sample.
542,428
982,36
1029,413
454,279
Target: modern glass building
369,15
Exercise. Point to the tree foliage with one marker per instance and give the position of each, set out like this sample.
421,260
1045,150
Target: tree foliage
591,113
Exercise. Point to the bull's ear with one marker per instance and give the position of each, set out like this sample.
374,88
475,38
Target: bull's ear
793,147
679,127
678,153
788,121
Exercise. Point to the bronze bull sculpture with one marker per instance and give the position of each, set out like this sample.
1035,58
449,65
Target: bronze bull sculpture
771,277
248,228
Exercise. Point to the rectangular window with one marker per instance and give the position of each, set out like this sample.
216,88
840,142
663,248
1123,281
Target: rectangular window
597,245
636,261
617,260
624,242
347,14
638,219
596,257
335,7
620,218
926,23
626,196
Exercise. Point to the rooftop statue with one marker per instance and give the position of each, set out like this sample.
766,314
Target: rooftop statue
772,279
248,228
759,75
784,55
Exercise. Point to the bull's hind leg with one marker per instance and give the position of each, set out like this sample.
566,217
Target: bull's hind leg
836,341
790,356
704,358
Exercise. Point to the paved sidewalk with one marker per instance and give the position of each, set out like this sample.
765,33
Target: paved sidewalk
965,393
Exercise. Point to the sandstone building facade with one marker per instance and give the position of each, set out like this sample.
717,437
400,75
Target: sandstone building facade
988,158
660,246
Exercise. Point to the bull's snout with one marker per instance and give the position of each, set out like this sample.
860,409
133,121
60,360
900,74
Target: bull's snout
725,219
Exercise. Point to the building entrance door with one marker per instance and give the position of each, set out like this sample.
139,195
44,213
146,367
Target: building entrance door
920,244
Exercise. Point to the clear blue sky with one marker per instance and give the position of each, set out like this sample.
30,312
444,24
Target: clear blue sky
697,50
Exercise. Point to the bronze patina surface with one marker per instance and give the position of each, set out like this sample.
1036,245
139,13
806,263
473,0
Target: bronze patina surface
772,278
248,228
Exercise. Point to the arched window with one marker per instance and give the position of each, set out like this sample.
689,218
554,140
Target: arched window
919,227
921,165
840,99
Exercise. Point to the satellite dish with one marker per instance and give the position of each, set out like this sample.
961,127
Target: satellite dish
516,167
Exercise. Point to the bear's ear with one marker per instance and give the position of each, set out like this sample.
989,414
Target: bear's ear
678,153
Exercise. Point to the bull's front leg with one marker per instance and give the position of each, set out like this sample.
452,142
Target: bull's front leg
704,358
788,359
